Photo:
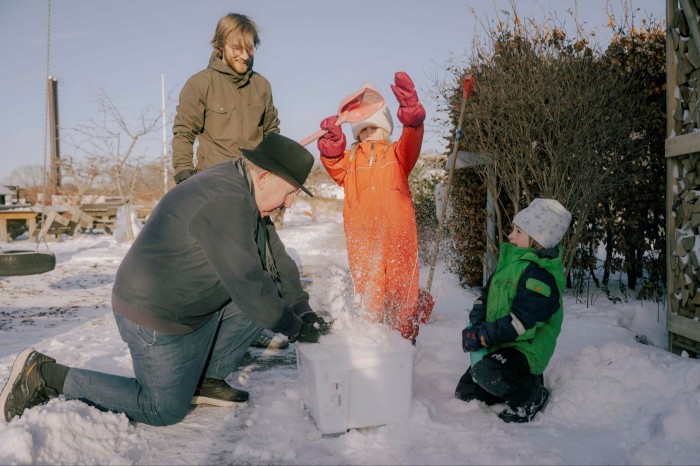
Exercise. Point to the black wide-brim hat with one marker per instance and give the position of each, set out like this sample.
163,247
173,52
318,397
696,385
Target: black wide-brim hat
284,157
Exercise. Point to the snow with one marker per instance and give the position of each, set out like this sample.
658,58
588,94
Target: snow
613,399
126,227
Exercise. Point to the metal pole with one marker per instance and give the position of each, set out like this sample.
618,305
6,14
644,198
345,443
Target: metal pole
490,263
467,88
165,137
55,177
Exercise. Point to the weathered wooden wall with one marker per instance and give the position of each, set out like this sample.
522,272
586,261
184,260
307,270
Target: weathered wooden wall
683,175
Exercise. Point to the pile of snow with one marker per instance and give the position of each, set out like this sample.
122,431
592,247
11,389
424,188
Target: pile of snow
614,400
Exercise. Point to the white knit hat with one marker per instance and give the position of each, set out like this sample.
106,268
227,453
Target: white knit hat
381,119
545,221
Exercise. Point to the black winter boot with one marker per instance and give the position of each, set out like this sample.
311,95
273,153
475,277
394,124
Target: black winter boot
218,393
524,412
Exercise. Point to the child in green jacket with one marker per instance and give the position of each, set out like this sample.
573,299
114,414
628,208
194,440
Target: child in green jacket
518,316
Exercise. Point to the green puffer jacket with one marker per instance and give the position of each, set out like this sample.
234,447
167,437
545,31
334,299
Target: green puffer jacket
519,282
224,110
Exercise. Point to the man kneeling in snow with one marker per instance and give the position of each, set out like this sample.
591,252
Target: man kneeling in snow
203,277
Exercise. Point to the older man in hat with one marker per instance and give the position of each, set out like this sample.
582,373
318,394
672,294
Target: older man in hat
203,277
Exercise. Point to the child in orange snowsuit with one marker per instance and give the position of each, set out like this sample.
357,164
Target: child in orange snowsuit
378,213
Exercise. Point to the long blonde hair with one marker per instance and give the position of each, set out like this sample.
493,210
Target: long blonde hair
356,144
244,30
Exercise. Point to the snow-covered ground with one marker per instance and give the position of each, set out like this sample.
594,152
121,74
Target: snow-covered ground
614,400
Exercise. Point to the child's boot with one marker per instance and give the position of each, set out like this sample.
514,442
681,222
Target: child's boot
525,411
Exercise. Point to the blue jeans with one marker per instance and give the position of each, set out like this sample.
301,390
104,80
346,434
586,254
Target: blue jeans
167,368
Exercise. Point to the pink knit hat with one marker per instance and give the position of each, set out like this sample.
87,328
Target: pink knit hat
544,220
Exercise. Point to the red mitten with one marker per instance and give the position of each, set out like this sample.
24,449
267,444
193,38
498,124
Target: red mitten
408,329
411,112
331,144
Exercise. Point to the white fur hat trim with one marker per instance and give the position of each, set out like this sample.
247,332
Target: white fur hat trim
381,119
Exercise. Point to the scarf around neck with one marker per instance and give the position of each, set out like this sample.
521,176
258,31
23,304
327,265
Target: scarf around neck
261,235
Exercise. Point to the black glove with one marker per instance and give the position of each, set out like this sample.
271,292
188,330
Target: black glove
475,337
307,334
318,322
312,328
183,175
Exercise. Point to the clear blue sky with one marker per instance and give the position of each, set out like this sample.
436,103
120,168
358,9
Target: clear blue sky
313,52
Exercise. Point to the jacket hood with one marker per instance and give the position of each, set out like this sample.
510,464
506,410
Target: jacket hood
217,64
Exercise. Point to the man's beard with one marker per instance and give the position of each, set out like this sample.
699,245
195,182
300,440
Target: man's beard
239,66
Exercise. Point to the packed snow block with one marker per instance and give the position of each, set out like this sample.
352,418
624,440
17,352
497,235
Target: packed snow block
350,383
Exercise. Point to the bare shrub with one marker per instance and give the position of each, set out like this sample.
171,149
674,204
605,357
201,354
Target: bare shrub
552,118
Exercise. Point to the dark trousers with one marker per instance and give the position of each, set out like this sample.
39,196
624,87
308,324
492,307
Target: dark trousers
500,377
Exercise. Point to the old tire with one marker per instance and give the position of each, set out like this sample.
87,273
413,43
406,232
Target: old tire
25,262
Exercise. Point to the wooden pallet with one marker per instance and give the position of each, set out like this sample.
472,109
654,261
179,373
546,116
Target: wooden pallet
54,224
80,218
104,216
678,343
65,221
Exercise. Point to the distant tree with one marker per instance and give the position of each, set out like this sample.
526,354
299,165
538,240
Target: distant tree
100,140
148,188
633,221
30,179
88,174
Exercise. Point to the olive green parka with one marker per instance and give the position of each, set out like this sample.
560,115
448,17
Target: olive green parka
223,110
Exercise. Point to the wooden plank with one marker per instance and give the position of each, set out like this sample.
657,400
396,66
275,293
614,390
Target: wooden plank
689,328
61,220
4,236
683,144
691,15
671,162
679,343
103,215
55,224
143,211
671,101
28,215
80,217
46,224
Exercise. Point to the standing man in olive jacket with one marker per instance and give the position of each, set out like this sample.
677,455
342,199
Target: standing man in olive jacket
204,275
225,107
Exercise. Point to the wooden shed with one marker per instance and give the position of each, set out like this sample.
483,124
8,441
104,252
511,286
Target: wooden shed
683,175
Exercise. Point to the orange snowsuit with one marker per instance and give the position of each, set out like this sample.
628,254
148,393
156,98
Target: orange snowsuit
380,227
